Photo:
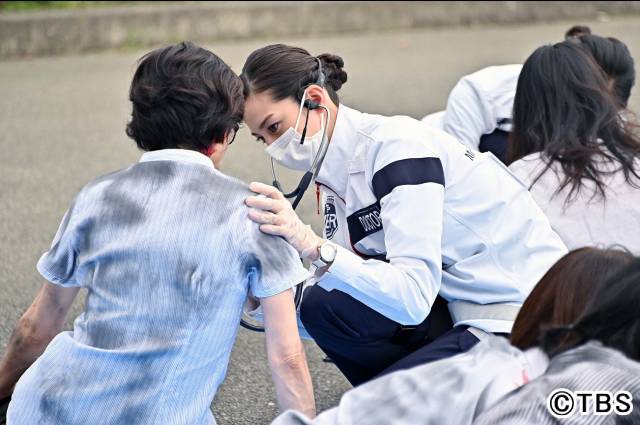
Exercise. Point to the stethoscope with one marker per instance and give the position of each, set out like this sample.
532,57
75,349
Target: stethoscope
310,175
306,179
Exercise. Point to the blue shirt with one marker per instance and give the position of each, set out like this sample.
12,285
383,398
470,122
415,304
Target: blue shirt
167,255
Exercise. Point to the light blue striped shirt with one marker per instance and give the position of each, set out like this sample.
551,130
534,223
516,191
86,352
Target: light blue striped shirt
167,255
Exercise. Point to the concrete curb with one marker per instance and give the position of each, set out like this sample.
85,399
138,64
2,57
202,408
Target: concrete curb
72,31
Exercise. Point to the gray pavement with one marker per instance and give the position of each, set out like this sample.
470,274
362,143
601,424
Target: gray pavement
62,123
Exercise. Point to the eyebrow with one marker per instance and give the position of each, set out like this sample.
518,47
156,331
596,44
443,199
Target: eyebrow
264,122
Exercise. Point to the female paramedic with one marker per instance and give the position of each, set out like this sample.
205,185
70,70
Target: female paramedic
409,215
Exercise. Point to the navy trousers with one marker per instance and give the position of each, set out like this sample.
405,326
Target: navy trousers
364,344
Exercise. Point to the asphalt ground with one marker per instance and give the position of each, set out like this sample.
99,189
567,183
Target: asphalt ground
62,123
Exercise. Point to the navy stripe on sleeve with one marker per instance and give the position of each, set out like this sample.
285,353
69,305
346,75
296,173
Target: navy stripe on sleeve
411,171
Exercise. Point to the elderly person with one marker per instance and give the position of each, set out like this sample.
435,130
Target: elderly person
167,255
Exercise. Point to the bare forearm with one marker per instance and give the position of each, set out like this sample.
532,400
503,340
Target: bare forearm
286,355
23,349
293,383
36,328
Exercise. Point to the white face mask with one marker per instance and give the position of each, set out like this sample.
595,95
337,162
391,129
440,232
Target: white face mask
288,151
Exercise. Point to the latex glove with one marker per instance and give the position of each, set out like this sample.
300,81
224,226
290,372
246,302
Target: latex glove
276,217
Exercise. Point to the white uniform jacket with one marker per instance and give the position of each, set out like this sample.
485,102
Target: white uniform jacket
416,213
481,103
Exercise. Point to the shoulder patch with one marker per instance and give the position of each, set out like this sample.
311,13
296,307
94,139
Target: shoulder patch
330,218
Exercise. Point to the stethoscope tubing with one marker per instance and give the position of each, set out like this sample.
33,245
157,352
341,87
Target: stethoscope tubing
297,194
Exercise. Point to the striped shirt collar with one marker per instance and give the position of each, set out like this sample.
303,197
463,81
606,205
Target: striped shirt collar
183,155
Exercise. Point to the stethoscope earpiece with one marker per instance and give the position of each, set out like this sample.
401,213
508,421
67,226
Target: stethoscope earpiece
310,104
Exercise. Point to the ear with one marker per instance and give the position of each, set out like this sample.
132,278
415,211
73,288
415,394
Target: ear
217,152
217,148
213,148
317,94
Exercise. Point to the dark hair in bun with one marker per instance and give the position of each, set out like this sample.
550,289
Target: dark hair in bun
577,31
287,71
612,55
332,66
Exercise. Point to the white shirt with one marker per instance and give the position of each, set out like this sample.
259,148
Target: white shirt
586,220
416,213
479,104
588,367
452,391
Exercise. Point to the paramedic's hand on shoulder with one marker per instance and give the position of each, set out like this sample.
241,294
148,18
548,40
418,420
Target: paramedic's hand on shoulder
276,217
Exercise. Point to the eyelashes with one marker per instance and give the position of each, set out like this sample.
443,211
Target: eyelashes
273,128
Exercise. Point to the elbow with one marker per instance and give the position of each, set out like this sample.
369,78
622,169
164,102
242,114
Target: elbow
292,358
30,333
295,362
415,305
415,311
416,316
289,360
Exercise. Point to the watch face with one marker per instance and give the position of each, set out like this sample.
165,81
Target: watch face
328,252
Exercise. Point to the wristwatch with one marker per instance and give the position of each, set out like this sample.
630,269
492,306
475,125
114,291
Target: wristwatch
327,254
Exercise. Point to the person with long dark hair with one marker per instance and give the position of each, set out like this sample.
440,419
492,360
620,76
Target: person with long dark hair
480,106
573,148
471,383
600,352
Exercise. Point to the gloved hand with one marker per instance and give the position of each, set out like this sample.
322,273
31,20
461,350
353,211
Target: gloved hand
276,217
